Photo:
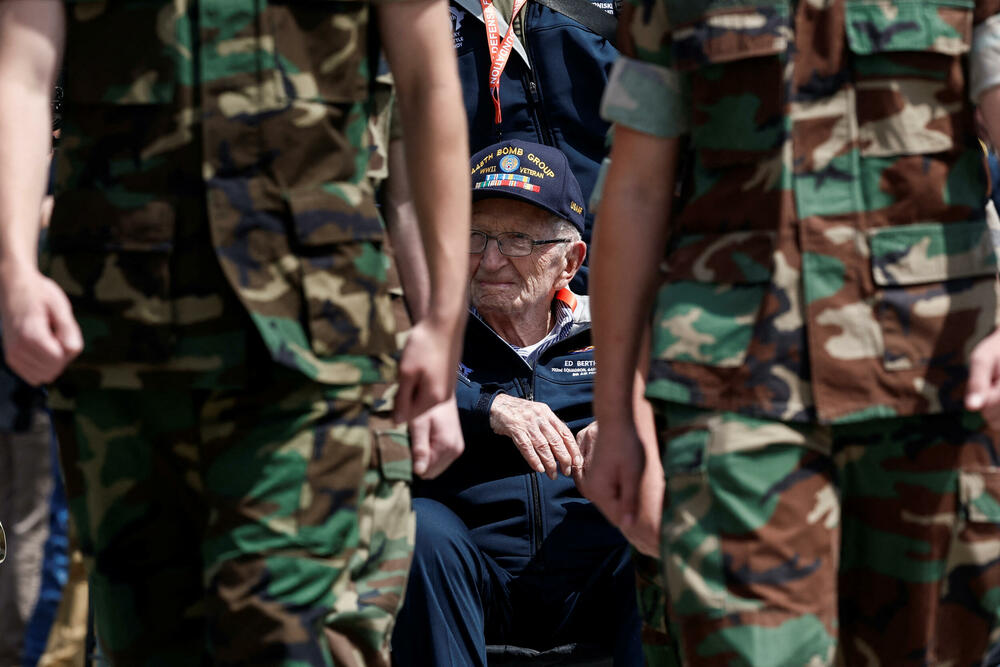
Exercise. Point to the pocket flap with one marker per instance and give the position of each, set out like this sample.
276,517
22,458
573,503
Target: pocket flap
937,26
334,213
979,491
931,252
734,258
732,34
392,447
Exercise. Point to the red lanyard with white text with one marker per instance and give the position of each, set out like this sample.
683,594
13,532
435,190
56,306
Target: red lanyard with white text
499,50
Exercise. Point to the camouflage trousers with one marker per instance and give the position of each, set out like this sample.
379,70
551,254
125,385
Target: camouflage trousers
264,526
875,543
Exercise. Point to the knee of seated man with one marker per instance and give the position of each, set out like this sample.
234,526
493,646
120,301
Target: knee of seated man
440,532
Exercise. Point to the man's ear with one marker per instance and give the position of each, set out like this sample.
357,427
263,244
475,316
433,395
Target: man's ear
575,255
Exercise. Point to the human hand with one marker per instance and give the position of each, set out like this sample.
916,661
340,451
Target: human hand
983,391
427,368
644,534
40,335
436,439
615,473
586,440
544,441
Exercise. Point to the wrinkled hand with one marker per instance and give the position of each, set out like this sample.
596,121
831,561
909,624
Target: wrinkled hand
436,439
544,441
426,369
983,391
40,335
615,473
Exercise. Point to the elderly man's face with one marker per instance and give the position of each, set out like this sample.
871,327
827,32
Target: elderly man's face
510,285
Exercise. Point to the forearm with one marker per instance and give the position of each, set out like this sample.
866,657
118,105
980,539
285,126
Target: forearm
629,239
30,39
437,154
404,231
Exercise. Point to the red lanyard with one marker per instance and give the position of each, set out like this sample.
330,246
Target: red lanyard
499,50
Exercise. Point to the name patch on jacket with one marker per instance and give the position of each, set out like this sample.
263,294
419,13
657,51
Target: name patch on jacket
574,368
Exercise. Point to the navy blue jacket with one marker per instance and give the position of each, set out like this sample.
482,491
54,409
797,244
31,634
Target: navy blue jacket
554,102
521,517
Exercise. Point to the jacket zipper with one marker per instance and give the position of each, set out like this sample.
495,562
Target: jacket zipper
536,501
528,79
528,389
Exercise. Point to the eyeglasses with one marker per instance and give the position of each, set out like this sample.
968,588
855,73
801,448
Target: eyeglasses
510,244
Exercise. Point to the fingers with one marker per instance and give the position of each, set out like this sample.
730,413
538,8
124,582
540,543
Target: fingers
64,326
553,439
628,498
982,373
527,449
33,351
420,446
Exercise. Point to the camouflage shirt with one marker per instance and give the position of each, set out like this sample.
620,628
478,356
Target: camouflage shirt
212,181
829,256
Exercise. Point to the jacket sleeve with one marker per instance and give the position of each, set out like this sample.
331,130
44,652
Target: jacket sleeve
474,401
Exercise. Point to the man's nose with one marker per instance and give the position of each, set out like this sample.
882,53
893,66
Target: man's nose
492,257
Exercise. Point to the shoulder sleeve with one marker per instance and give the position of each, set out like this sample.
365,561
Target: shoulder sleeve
644,92
984,59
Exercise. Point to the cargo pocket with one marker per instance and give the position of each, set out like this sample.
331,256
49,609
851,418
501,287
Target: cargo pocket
343,271
972,572
103,68
707,310
909,79
387,528
936,291
114,265
734,58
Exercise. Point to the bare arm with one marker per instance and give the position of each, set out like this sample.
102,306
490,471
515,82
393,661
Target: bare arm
629,238
30,50
420,51
404,230
40,334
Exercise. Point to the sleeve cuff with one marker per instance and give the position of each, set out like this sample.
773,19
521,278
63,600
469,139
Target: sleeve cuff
646,98
984,59
482,407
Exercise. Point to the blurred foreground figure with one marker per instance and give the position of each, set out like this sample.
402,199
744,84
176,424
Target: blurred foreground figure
240,493
828,273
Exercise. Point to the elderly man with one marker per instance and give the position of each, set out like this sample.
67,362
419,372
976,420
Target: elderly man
508,551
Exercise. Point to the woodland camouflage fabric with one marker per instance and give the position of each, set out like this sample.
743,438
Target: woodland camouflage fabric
770,526
235,527
250,118
830,259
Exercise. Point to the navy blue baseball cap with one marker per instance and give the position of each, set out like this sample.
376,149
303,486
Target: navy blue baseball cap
534,173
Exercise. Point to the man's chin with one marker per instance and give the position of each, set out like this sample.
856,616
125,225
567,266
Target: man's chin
493,300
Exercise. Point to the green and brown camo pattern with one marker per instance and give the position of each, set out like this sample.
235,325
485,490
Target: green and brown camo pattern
830,259
269,526
872,543
248,118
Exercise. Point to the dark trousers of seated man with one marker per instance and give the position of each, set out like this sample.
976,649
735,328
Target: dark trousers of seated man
459,599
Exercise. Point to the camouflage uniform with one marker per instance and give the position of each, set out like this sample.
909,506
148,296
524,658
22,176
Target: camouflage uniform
829,271
239,494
